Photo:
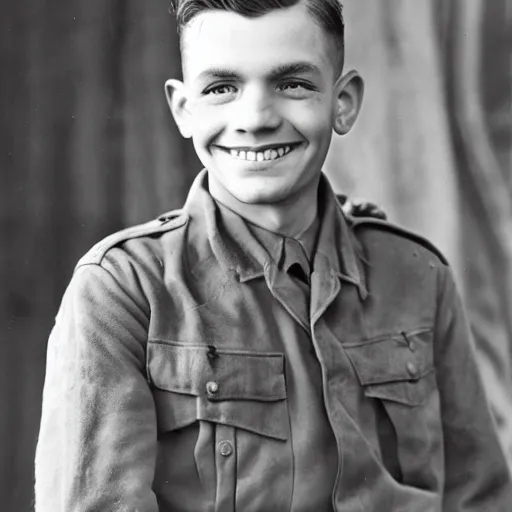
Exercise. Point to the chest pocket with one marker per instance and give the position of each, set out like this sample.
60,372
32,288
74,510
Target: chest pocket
398,371
234,388
396,368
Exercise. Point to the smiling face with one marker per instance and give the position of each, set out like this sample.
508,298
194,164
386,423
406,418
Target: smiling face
260,100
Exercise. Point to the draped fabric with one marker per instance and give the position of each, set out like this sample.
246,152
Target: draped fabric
88,147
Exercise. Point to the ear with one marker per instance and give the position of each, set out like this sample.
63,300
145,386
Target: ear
177,99
349,97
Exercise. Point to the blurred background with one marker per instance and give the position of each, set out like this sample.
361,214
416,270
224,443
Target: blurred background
87,146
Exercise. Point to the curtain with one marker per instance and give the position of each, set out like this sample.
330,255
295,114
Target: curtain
433,146
88,147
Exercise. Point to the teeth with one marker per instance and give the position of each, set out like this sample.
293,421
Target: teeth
260,156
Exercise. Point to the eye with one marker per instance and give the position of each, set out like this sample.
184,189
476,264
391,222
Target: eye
219,90
296,88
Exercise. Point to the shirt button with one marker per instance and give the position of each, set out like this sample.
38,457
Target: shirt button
225,448
412,369
212,388
412,346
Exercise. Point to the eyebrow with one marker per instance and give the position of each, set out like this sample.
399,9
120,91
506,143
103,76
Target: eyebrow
275,74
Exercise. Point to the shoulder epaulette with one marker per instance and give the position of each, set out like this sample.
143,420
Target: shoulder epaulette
165,222
360,208
357,222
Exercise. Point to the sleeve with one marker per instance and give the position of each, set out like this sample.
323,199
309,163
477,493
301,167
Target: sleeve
477,477
97,442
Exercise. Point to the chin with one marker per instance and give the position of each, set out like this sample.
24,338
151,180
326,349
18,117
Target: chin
260,191
252,196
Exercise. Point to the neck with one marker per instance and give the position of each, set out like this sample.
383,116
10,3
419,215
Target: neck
290,216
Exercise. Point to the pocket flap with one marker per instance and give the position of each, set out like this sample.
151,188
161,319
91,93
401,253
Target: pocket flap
411,392
237,375
250,388
401,357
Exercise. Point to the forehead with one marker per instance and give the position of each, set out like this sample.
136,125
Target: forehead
223,39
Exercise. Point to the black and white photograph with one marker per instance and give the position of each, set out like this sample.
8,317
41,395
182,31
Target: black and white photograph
256,256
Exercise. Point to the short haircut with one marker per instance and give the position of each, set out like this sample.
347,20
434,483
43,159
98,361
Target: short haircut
328,14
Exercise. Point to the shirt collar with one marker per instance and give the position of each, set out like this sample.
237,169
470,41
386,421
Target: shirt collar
237,249
231,223
283,251
337,242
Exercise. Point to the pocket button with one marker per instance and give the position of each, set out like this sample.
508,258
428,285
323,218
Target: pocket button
412,369
212,388
225,448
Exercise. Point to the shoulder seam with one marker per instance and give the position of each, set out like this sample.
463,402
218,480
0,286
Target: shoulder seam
400,231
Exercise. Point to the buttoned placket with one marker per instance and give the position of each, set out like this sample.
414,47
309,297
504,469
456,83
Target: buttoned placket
331,290
225,465
325,287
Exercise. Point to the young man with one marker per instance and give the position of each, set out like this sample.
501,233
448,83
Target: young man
259,350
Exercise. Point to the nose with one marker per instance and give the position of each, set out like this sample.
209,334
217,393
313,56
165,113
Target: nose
257,111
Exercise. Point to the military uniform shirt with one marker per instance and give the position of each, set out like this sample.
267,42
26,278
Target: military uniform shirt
173,384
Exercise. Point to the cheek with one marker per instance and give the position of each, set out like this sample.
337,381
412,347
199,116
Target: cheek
313,120
208,122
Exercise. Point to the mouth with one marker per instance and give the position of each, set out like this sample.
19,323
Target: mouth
261,154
